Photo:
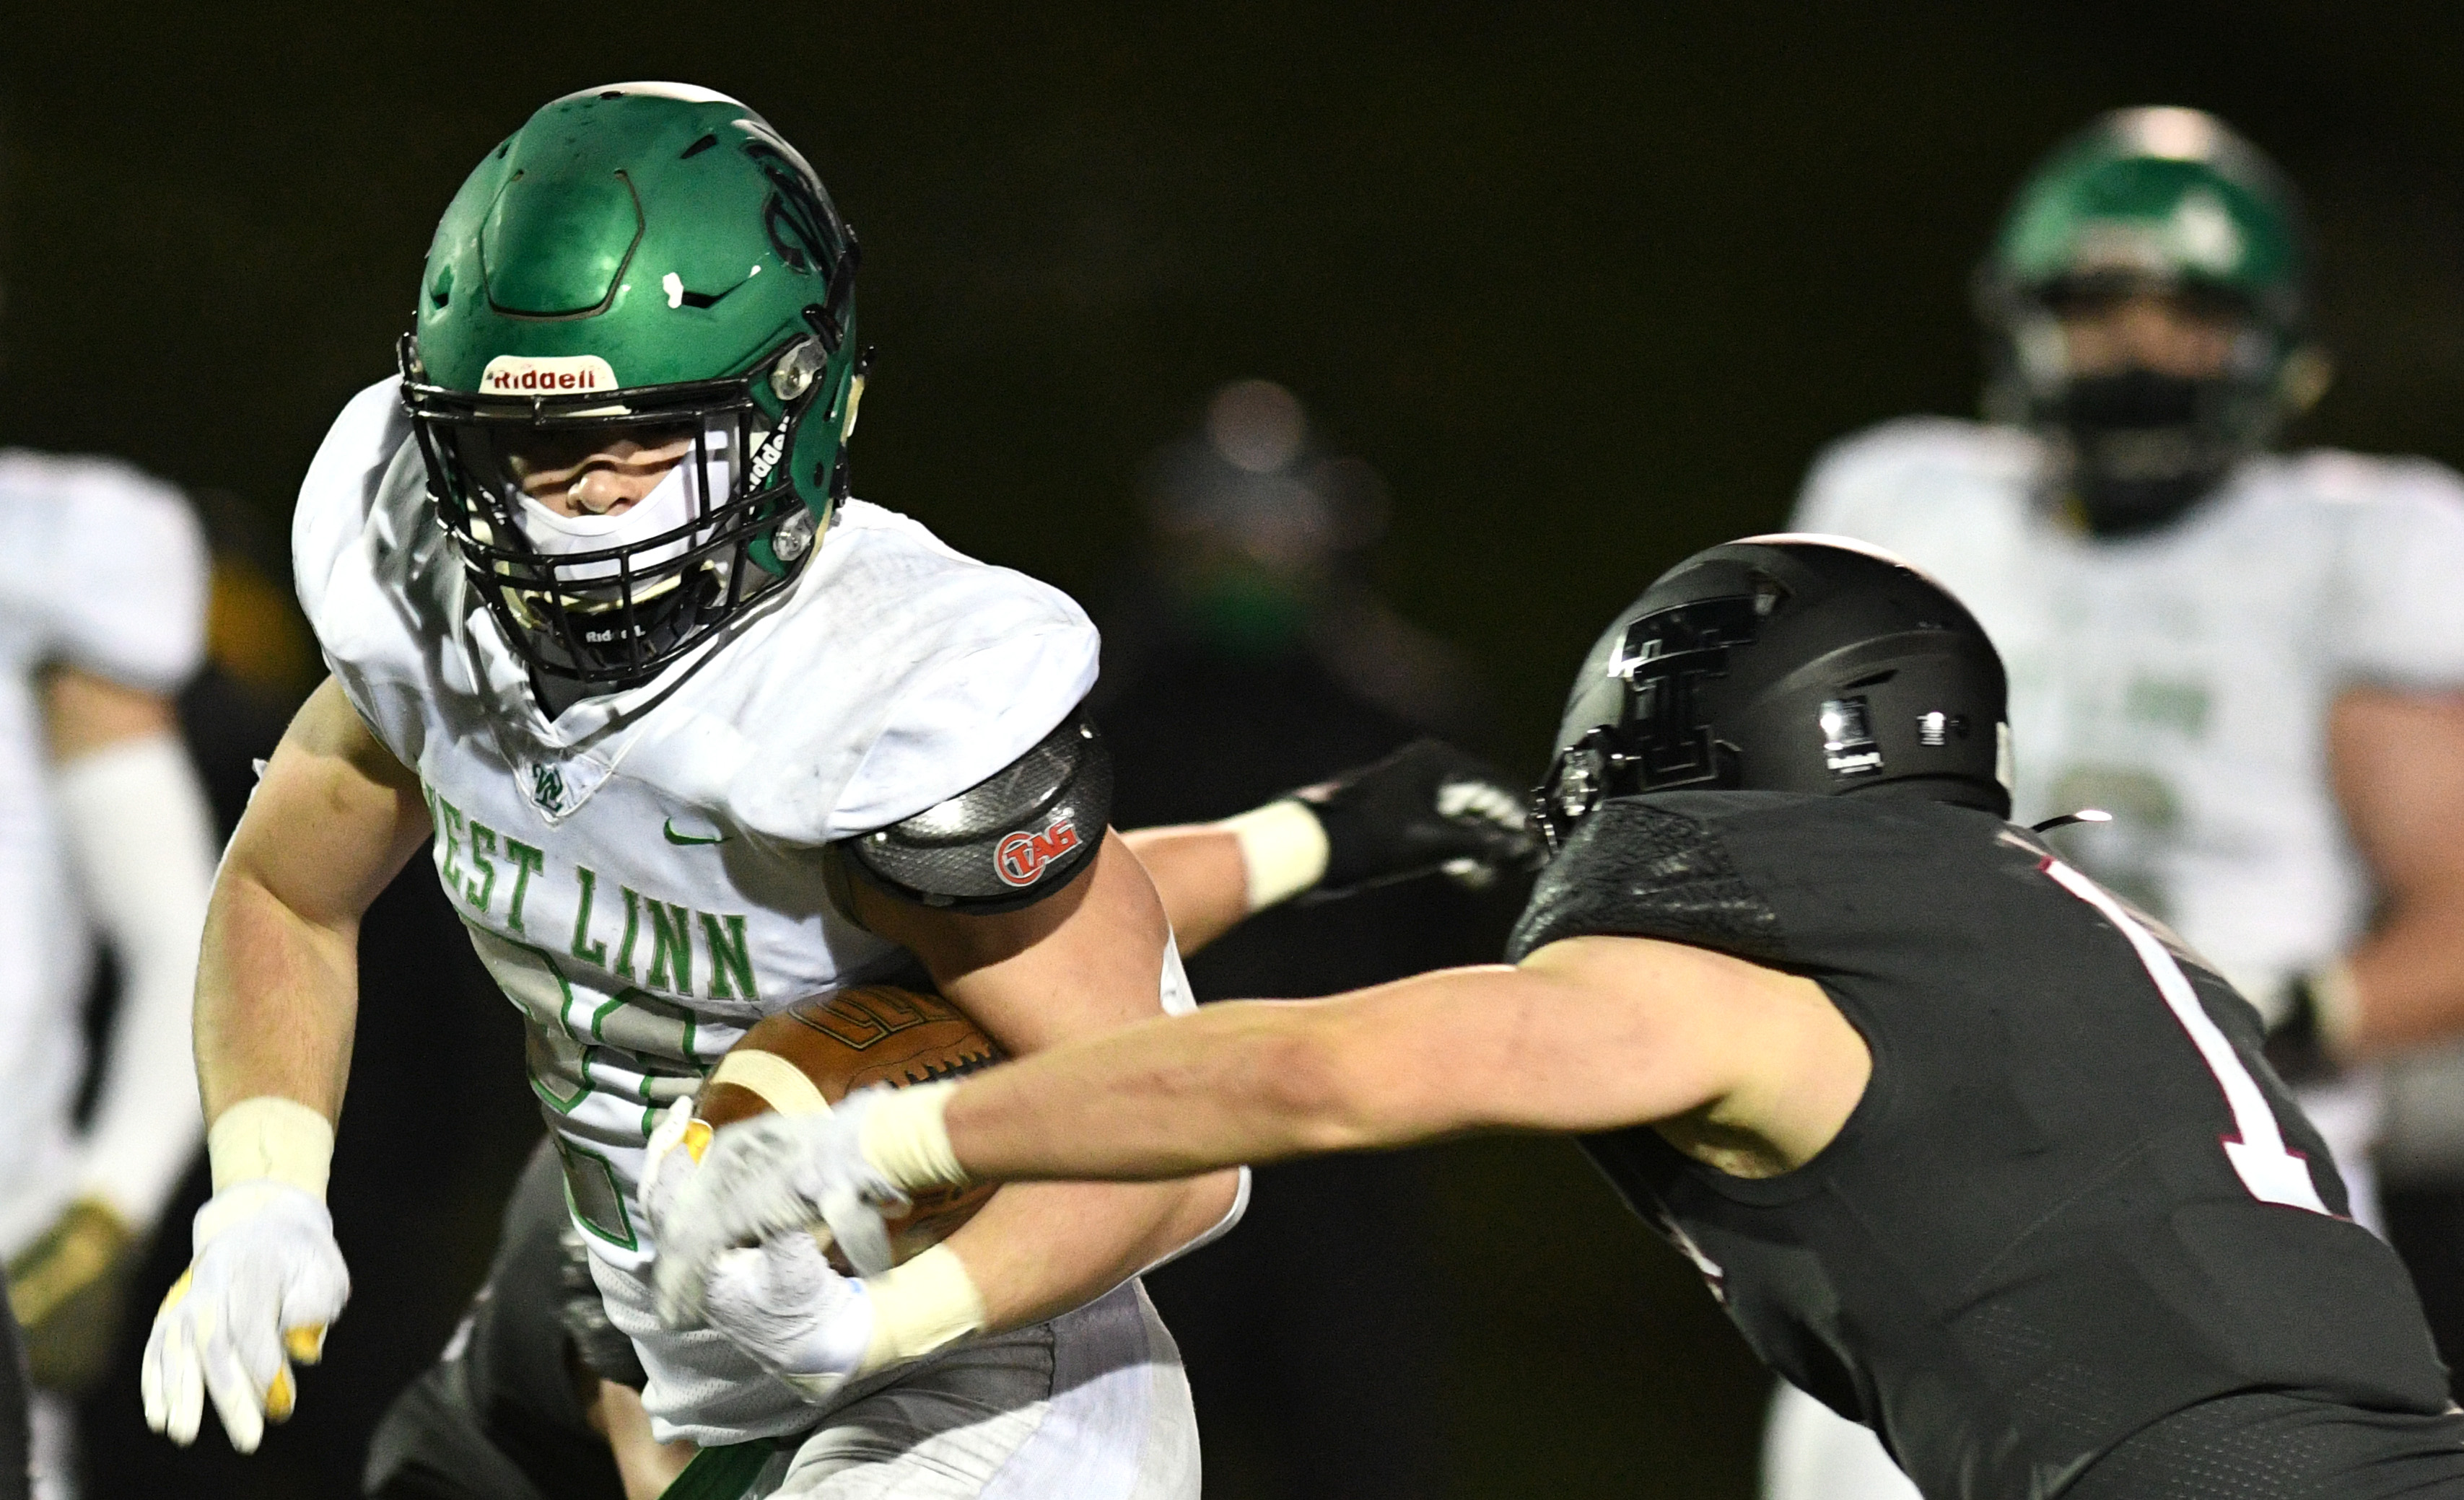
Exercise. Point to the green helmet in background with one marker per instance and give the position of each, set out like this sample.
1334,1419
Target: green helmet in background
2169,200
646,264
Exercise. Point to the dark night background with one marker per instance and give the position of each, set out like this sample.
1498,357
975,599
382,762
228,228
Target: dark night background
1586,283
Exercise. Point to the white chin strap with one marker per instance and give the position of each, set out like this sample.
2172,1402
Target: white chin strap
666,508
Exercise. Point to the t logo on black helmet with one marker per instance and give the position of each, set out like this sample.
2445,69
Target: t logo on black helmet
1785,664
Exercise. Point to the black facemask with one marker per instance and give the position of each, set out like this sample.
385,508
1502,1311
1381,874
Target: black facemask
2144,446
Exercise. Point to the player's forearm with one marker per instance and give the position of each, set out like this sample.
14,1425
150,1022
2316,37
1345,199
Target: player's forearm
1237,1083
1038,1250
2408,978
1589,1034
277,997
334,819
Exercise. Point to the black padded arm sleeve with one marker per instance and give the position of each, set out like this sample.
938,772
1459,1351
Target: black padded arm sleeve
1013,838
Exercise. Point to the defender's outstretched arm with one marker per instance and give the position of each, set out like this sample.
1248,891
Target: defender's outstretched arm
1585,1036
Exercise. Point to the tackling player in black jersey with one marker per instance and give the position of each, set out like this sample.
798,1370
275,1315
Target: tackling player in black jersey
1969,1149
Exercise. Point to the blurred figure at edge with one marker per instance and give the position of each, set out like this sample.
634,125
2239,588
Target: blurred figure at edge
104,828
2251,659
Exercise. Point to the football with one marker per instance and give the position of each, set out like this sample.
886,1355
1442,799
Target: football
823,1047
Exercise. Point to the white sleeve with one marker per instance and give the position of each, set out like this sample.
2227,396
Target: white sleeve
2400,621
964,720
128,584
142,846
335,498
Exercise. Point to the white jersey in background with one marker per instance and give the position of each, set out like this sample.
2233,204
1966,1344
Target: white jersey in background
2180,680
642,875
102,569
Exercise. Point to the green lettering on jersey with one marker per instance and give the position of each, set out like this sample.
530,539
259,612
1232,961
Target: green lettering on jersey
583,948
728,956
632,930
450,840
483,843
527,862
671,940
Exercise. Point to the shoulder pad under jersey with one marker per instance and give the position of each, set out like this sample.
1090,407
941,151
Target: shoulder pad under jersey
1013,838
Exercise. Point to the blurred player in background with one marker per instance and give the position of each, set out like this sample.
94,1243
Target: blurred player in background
1249,657
695,735
102,829
2251,660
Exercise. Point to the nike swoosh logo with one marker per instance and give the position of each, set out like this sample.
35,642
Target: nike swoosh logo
668,828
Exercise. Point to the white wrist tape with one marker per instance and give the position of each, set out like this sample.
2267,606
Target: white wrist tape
906,1140
920,1306
1283,845
270,1135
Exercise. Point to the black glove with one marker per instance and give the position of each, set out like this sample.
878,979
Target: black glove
1427,807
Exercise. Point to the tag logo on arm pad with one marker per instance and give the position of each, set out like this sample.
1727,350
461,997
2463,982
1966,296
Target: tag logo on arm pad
1020,859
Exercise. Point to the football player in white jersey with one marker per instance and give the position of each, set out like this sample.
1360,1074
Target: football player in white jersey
103,823
2251,659
695,734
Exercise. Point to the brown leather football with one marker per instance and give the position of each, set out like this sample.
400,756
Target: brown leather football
823,1047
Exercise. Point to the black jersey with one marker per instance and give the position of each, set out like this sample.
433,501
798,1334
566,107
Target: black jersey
2072,1200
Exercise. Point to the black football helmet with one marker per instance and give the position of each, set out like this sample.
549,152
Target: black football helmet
1785,664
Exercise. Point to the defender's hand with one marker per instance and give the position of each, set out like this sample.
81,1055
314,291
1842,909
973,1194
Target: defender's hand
267,1280
760,1179
786,1308
67,1290
1427,807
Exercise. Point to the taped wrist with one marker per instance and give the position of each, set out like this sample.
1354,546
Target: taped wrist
1283,848
270,1135
904,1138
920,1306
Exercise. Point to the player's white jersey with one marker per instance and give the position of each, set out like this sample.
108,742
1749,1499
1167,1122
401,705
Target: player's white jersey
102,569
641,873
2181,679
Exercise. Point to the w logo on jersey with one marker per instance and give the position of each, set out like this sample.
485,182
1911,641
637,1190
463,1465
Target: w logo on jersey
547,787
1020,859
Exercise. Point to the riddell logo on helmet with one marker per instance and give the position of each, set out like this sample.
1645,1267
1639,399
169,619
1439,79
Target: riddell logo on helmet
1019,859
549,374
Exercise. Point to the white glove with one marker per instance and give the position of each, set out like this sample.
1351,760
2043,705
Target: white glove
769,1178
784,1307
267,1280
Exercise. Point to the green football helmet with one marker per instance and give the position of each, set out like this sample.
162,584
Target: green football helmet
645,267
2162,200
